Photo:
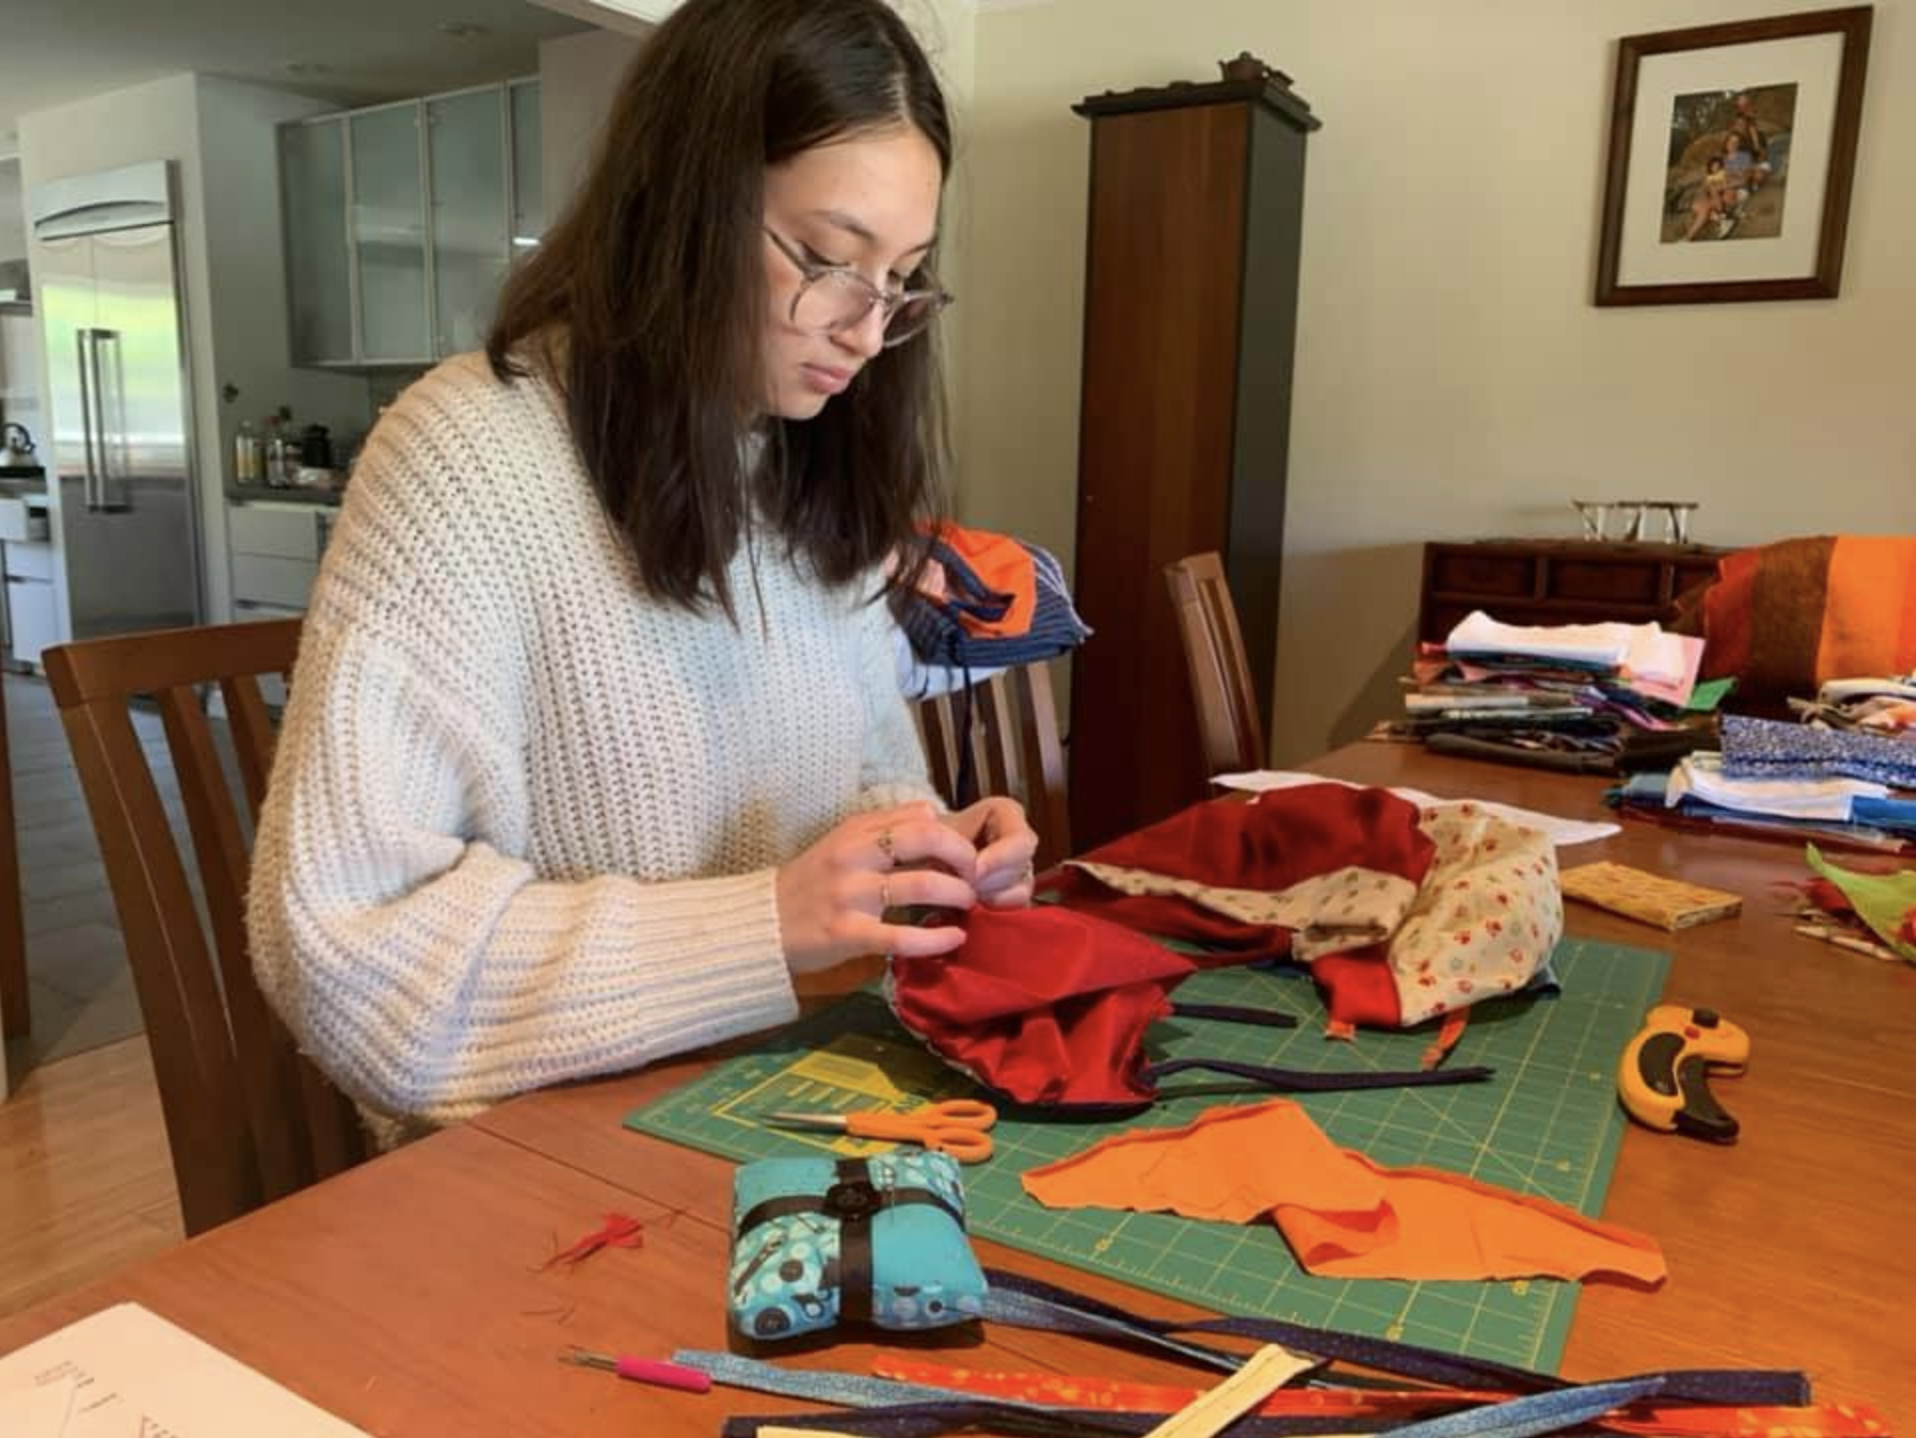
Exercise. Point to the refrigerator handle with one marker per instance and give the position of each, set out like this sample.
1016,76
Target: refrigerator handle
83,346
109,414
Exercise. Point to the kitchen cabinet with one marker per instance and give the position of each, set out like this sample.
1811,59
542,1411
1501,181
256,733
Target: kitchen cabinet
312,169
276,550
389,234
401,221
471,215
33,622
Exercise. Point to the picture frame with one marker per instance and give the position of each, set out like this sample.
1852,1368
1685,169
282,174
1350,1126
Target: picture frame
1732,155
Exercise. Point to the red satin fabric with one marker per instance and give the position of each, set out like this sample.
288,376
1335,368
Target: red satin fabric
1044,1005
1286,837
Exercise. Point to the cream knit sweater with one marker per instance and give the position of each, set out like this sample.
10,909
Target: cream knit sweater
524,822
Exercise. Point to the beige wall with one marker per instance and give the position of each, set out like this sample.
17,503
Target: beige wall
1453,378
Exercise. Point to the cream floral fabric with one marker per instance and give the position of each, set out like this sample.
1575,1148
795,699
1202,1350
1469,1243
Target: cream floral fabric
1487,915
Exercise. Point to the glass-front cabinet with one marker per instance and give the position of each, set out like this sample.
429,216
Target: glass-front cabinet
466,144
312,170
401,221
389,235
528,197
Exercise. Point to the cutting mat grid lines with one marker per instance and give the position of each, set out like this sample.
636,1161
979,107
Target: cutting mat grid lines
1547,1124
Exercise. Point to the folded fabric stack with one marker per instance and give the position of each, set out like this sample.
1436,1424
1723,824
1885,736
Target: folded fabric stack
1792,782
1879,706
1595,698
985,602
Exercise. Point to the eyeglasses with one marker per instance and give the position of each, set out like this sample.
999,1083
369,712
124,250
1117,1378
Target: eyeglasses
836,298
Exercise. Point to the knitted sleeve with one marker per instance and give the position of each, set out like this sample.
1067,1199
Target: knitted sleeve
432,975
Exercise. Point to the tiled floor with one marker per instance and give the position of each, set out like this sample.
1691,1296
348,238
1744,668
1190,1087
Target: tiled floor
79,989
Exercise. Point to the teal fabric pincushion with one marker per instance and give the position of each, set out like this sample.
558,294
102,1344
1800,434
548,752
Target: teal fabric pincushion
880,1240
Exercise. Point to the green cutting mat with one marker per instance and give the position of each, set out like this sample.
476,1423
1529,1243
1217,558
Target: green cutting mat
1547,1124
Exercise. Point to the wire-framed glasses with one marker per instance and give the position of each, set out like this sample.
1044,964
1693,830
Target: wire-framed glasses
836,298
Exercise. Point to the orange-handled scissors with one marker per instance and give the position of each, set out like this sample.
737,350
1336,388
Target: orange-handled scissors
955,1126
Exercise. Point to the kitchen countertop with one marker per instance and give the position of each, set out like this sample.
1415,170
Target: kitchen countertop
325,497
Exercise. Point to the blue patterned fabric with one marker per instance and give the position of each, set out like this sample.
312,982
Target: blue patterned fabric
1768,749
882,1240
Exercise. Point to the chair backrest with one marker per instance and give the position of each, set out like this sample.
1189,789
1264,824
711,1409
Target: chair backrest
1015,749
1229,728
247,1118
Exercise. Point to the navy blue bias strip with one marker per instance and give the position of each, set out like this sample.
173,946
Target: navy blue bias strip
1032,1303
1537,1413
1311,1081
1234,1014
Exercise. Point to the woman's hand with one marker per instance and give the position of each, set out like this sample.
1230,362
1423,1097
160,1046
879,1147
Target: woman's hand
1005,844
832,898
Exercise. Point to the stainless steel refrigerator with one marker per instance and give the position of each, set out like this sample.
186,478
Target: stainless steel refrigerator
123,497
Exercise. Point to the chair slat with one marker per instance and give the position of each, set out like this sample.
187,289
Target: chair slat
261,1049
1229,727
1016,749
253,736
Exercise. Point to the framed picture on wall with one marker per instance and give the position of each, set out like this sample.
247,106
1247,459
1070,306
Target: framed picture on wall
1732,149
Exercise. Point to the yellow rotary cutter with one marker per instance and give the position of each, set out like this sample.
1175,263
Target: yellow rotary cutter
1663,1077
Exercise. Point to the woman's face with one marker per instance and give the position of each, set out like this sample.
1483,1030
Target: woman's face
869,203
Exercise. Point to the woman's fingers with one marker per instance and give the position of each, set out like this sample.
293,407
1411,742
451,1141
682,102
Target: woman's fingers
911,942
930,888
913,834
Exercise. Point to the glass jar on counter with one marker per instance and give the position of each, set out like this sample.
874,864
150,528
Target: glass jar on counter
249,456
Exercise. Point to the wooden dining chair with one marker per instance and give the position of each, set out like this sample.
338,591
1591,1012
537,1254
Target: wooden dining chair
1229,729
248,1119
1015,749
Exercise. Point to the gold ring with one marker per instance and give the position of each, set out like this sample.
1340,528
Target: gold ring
885,844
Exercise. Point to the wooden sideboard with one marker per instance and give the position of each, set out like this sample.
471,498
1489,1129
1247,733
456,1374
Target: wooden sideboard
1557,581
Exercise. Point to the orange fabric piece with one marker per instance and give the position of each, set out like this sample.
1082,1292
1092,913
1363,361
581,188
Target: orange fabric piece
1869,616
1825,1420
1001,564
1343,1216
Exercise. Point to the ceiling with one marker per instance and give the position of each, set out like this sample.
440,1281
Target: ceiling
56,51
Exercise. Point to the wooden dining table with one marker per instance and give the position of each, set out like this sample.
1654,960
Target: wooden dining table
412,1295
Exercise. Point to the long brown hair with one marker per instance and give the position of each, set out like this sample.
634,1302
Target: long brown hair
646,301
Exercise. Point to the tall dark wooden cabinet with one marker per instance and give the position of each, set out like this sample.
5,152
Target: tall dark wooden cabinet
1190,315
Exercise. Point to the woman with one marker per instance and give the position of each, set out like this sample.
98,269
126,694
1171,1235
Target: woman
595,739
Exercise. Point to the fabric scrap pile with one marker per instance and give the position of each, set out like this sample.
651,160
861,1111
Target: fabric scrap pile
1873,914
1877,706
1332,1381
1585,698
983,603
1404,915
1791,782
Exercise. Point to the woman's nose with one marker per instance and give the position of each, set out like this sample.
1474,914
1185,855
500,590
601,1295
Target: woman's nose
867,337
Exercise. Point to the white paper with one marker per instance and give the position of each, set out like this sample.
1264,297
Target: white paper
36,1412
1561,832
128,1373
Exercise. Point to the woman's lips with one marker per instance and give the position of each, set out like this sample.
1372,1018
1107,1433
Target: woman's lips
827,379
